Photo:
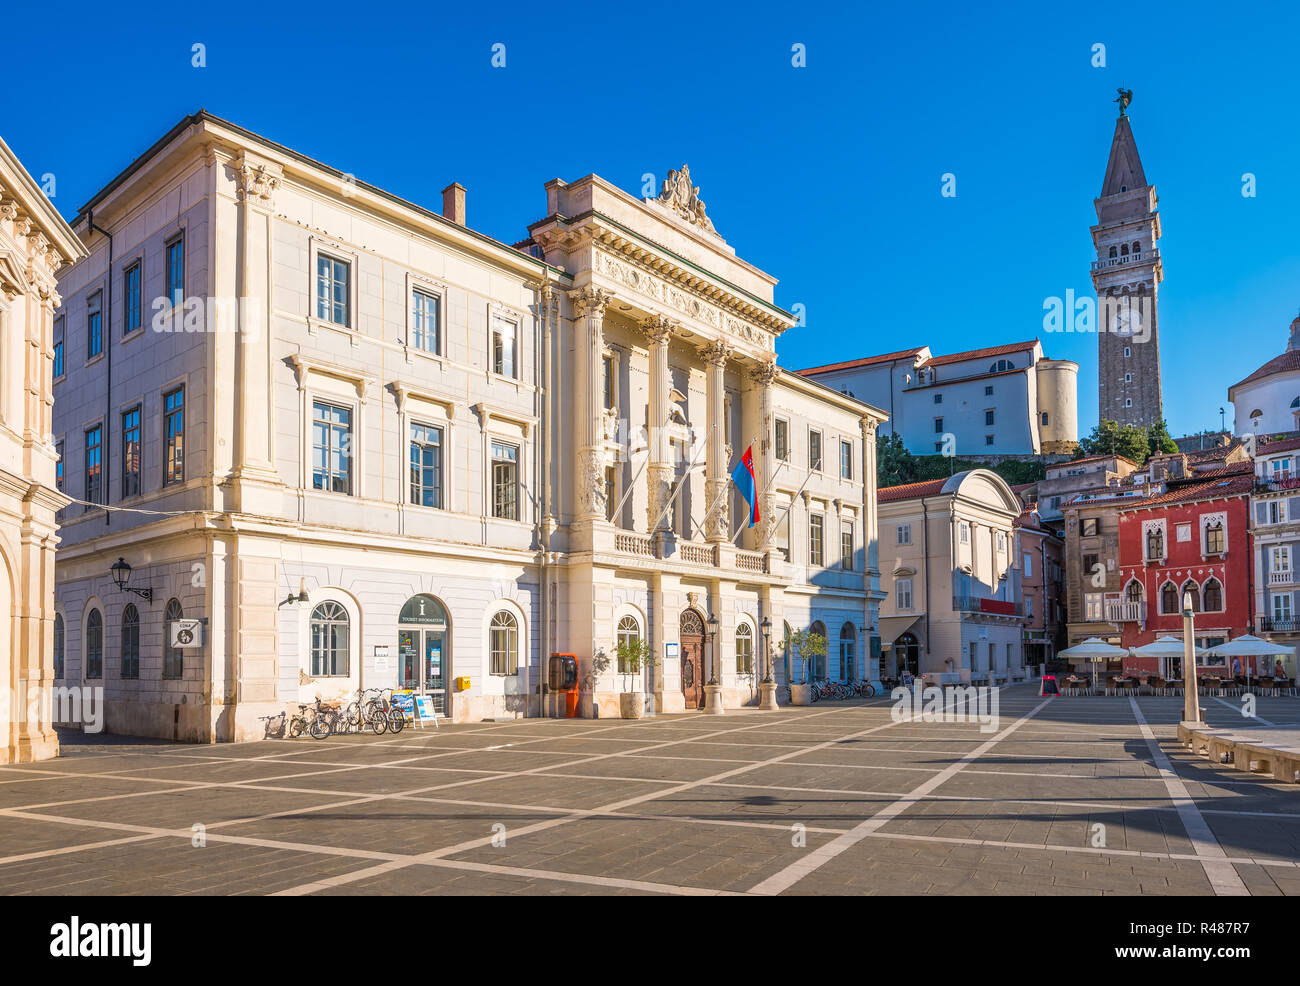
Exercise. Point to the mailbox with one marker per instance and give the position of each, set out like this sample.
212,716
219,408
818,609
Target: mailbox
462,684
562,679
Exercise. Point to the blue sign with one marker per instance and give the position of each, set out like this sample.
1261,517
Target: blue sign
404,702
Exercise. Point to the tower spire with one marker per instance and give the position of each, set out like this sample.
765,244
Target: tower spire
1124,168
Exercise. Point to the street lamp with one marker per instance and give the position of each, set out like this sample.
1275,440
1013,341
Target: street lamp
121,573
767,648
299,597
713,650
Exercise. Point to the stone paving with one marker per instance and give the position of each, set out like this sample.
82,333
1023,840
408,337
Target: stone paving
1068,796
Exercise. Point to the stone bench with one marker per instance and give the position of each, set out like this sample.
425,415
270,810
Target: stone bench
1280,761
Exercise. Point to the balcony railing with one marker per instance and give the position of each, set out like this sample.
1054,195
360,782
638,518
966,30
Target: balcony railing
993,607
1126,611
1131,258
1290,624
1281,578
689,552
1279,481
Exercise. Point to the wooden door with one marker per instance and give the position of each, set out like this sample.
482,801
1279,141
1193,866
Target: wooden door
693,671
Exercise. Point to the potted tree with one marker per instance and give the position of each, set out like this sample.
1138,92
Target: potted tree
804,645
633,656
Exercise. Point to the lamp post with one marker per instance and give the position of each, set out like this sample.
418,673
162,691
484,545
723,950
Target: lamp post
767,687
1191,698
121,573
713,690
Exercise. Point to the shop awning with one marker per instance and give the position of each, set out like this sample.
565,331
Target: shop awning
893,627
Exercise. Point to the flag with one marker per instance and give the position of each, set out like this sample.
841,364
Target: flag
743,477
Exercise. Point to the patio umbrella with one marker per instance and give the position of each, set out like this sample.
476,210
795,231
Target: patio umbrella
1162,647
1092,650
1248,645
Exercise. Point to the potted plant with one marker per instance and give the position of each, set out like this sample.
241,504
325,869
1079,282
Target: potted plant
633,654
804,644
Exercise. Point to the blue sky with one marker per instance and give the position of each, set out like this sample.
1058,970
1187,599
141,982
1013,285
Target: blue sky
826,176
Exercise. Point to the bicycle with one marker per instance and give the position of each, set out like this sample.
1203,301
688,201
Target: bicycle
271,729
319,725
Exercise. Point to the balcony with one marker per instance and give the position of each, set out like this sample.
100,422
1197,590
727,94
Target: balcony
1126,611
991,607
1281,578
690,553
1289,624
1279,481
1106,263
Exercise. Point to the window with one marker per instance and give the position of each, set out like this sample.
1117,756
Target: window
988,417
611,492
94,645
333,290
426,325
504,644
59,642
130,642
938,426
1027,563
426,465
1089,527
1128,351
782,440
903,594
963,532
1029,607
132,301
1155,544
1045,419
1282,608
1190,588
503,346
848,659
988,439
607,368
846,460
1133,591
59,334
1001,366
176,270
94,326
1168,598
744,649
938,398
628,632
1128,378
1281,561
1213,596
816,524
331,448
329,640
1002,541
58,464
904,534
174,436
1128,401
1092,605
131,452
815,451
505,481
1089,567
988,391
173,657
1214,538
846,546
94,465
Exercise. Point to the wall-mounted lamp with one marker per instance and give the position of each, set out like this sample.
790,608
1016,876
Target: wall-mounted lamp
300,597
121,573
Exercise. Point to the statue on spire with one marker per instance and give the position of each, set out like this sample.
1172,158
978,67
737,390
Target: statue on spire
1125,97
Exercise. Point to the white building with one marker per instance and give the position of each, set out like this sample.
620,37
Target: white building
367,446
1268,401
998,401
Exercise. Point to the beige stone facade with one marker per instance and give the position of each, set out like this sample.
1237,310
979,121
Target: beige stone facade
412,455
34,243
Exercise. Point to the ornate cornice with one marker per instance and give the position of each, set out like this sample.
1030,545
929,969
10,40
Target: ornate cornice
590,301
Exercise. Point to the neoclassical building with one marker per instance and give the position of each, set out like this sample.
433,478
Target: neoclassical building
344,441
34,243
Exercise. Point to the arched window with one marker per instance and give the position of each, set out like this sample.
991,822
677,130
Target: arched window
173,657
1133,591
1137,247
816,663
1213,596
1214,537
1194,590
1123,250
628,633
94,645
58,645
130,642
1295,402
1168,598
329,640
848,656
1155,543
744,649
1001,366
504,644
1113,252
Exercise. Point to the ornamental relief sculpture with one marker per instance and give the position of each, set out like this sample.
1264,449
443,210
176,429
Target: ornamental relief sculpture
590,301
591,482
683,198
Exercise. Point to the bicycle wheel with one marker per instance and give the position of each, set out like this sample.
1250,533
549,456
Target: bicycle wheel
396,721
377,722
814,693
296,726
868,690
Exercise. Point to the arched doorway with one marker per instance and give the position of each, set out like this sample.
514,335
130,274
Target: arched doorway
907,655
691,639
815,664
424,649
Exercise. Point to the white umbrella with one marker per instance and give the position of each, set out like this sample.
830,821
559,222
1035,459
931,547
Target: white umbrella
1162,647
1248,645
1094,649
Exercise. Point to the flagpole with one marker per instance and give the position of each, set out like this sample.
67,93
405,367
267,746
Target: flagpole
618,512
786,511
672,499
782,463
719,499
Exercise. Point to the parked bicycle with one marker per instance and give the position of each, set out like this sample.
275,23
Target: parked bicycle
273,726
316,720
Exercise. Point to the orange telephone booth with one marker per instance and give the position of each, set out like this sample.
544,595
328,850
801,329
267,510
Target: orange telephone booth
563,679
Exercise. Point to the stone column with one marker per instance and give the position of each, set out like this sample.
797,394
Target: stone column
589,343
718,528
659,471
764,375
871,552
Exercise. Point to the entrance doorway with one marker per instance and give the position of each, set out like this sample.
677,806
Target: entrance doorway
424,650
907,652
691,639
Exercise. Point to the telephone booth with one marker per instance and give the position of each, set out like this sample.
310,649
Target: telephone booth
562,685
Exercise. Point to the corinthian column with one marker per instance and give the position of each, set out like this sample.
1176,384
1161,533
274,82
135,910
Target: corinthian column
659,471
589,310
764,375
716,499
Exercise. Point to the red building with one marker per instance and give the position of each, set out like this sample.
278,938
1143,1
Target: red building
1192,538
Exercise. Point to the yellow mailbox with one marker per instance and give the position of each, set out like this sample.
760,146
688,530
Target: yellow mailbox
462,684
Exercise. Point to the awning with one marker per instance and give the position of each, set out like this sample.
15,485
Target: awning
893,627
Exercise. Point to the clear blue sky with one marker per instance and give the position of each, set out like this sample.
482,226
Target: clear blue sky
826,176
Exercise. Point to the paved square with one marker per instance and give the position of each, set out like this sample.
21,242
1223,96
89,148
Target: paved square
1074,796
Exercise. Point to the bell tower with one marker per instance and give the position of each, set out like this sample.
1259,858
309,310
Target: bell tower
1126,276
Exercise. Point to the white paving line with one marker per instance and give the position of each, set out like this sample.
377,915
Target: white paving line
1237,709
1222,876
814,860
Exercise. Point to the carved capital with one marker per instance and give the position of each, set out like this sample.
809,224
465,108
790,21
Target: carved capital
716,353
765,373
255,183
658,329
590,302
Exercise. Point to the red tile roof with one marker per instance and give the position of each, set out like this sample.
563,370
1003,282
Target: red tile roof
1091,458
1012,347
855,363
1289,360
1214,489
908,491
1283,445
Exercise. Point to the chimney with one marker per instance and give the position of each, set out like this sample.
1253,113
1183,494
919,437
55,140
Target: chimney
453,203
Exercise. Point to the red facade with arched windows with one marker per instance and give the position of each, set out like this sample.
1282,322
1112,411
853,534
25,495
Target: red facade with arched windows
1192,538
